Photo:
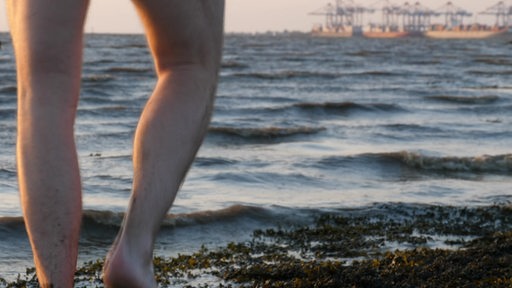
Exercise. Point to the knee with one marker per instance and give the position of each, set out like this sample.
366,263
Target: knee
183,33
175,64
198,50
200,57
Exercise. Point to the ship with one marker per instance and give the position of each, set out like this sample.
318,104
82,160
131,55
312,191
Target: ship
466,32
454,27
384,32
331,32
344,19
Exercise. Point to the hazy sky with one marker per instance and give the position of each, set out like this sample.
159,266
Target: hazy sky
118,16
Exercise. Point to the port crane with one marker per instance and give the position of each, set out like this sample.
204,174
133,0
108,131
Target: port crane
416,17
390,14
502,12
453,15
343,18
341,14
413,18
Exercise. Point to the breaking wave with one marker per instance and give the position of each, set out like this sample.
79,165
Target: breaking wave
491,164
480,164
94,221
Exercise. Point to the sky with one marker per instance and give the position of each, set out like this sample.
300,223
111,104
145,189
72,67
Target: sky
118,16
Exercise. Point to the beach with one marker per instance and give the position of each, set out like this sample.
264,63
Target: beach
381,246
324,154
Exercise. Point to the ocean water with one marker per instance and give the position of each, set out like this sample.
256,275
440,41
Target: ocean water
301,126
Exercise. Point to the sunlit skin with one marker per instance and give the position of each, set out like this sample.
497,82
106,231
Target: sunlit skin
185,38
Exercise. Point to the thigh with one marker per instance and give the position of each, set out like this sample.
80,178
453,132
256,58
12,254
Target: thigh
183,31
47,34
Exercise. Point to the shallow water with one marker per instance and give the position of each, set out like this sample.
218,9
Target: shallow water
301,126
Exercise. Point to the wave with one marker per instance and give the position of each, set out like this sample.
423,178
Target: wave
365,53
216,216
376,73
310,109
128,70
8,113
492,164
488,99
258,99
5,58
490,72
278,106
99,61
233,65
12,89
5,172
493,60
347,106
286,75
107,223
480,164
94,220
296,59
213,161
265,132
413,128
132,45
491,87
95,78
293,179
424,62
12,227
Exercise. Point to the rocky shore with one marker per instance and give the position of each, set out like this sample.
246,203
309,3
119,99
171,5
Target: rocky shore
433,246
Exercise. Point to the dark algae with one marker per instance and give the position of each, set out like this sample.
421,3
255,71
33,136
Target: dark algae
438,247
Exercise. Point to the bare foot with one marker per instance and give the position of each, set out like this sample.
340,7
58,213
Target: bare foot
124,269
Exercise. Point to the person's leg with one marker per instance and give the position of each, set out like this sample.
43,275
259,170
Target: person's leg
47,37
185,38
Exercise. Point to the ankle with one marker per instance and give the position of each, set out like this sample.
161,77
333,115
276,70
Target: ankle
125,267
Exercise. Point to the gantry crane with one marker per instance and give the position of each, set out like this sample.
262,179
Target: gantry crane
342,14
502,12
416,17
453,15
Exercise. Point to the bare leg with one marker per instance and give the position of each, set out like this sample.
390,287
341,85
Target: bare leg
185,38
47,39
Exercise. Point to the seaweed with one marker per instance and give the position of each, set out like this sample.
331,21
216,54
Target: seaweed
347,250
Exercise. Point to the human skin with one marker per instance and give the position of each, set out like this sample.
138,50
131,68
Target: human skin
47,40
171,128
185,38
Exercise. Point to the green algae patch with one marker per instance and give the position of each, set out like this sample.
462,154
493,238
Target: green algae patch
384,246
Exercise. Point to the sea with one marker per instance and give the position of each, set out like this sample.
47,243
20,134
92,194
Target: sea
301,126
